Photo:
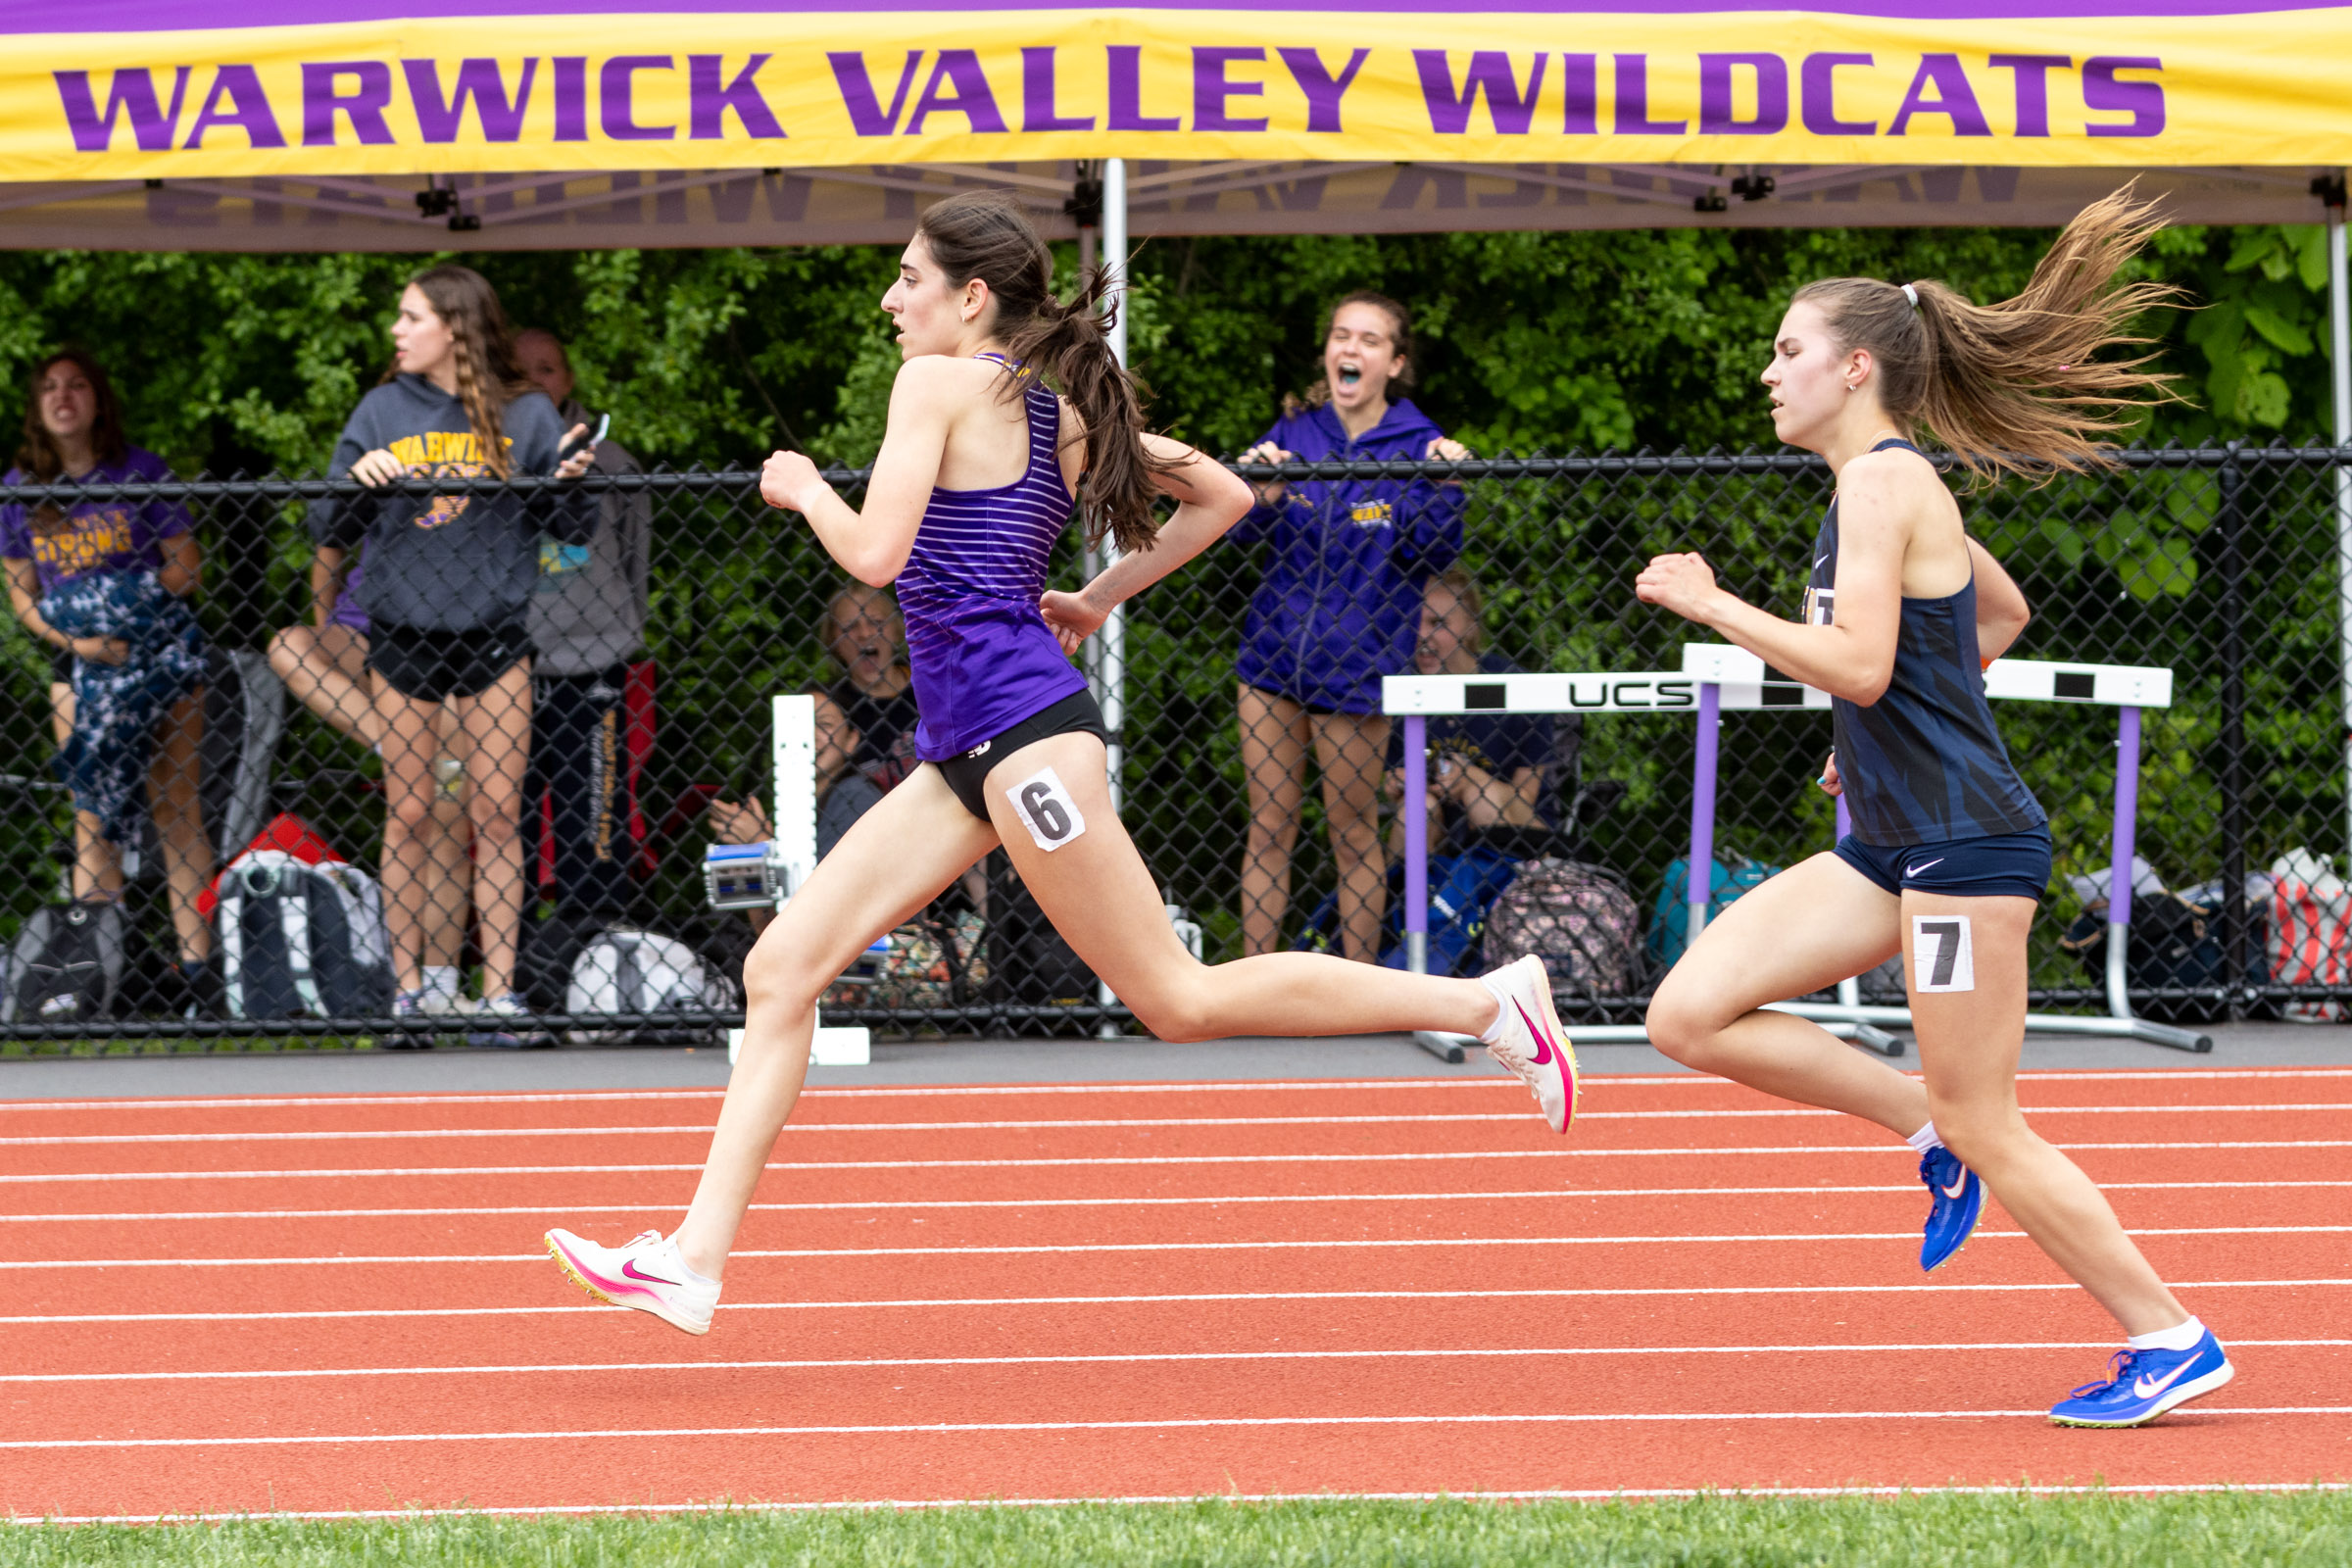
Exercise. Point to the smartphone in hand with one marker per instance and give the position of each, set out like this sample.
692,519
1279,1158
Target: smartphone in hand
603,423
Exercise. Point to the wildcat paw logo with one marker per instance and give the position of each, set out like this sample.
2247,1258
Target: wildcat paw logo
443,455
444,510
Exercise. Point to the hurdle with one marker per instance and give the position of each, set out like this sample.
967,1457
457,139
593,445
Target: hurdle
1416,698
1716,679
1723,670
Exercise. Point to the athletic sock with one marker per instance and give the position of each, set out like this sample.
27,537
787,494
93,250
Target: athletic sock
1503,1010
685,1268
1925,1138
2183,1338
439,980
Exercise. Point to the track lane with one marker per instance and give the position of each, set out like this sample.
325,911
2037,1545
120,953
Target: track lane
868,1463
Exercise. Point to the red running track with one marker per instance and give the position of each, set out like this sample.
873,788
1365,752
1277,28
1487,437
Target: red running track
337,1304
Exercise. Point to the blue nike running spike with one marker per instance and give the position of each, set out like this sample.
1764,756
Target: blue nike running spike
1954,1199
2145,1383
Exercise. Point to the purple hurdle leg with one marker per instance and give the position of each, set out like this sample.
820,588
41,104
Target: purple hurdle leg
2118,871
1702,808
1415,806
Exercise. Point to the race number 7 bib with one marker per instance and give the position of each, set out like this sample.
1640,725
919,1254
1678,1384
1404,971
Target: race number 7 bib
1045,810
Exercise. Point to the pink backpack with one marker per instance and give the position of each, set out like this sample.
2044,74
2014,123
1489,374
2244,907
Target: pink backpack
1580,920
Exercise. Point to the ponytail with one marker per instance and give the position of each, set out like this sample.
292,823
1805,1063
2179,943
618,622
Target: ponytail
2016,387
985,234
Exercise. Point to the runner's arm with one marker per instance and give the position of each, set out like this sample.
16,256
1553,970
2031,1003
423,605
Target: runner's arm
873,544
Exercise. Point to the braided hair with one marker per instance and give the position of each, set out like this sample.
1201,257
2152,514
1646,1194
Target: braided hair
488,378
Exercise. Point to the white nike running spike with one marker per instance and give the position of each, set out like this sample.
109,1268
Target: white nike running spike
649,1273
1532,1043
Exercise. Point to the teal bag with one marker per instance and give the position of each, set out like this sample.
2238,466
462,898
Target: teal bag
1670,919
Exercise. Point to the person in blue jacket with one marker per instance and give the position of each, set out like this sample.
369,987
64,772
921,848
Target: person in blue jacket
1339,608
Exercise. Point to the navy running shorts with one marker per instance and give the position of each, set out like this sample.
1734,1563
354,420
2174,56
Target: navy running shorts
966,772
2003,865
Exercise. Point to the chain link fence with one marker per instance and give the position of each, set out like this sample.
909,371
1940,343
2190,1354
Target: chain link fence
488,824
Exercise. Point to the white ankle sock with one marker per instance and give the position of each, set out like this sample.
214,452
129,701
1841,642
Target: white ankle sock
1925,1138
1503,1010
2183,1338
439,979
689,1268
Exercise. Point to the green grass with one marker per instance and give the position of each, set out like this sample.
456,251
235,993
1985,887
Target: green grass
1932,1530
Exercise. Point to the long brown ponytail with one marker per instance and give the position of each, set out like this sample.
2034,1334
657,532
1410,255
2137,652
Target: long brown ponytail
488,378
985,234
2016,387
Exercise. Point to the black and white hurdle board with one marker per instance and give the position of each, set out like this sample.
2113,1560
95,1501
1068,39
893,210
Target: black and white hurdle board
1717,677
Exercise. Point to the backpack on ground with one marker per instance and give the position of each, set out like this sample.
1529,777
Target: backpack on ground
68,964
244,718
1580,920
2311,923
622,969
2173,945
299,938
1670,919
1462,889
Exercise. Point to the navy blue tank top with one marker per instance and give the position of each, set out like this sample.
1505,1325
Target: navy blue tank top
1924,764
982,657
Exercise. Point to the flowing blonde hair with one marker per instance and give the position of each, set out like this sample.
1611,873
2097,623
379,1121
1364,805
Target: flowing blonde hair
2016,387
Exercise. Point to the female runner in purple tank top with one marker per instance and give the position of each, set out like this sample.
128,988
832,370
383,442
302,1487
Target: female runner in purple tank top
1949,853
981,467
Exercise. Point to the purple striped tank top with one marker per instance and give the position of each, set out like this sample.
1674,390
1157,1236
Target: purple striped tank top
982,656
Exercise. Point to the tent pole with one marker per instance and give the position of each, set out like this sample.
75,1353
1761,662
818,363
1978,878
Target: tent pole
1114,635
1110,685
2339,334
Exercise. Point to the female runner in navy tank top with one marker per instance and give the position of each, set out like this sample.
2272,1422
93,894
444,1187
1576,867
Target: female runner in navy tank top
982,465
1949,852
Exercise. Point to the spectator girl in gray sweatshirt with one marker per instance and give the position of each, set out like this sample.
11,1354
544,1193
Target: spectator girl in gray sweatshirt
447,585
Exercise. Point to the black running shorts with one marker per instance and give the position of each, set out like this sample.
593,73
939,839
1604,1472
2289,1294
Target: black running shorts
428,666
966,772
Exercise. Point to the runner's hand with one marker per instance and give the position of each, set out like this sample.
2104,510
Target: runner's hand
790,483
1072,619
1830,784
1682,582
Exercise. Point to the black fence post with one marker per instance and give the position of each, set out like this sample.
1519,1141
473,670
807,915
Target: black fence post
2233,733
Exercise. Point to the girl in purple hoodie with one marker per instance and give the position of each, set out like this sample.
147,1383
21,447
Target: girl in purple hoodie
1340,608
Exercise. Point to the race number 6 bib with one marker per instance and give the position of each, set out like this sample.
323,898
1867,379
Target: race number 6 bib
1045,810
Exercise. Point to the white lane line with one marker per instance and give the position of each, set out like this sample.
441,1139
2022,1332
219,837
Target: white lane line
879,1504
977,1091
1089,1124
870,1363
945,1203
1165,1424
1546,1293
926,1092
1351,1244
1744,1150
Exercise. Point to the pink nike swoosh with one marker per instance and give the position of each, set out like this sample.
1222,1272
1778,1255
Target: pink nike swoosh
630,1269
1545,1054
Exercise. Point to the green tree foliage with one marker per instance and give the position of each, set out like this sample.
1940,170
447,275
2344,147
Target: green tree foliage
1554,341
